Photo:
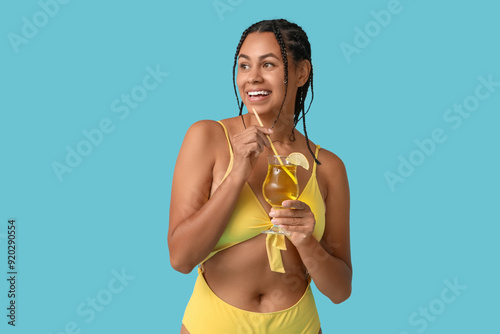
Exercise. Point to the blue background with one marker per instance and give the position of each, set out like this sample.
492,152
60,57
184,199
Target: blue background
111,211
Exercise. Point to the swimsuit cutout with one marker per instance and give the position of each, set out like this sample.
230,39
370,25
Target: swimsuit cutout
249,217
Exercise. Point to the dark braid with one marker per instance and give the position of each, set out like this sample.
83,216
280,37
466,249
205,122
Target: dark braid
292,40
240,105
284,55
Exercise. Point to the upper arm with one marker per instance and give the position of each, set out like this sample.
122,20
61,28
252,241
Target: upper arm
336,238
192,178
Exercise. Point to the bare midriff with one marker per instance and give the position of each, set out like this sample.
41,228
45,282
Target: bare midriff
240,276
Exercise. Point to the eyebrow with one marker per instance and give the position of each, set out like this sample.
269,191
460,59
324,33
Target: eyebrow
260,57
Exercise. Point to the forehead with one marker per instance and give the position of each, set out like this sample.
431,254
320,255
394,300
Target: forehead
260,43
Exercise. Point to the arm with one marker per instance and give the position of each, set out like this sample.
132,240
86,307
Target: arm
197,220
328,261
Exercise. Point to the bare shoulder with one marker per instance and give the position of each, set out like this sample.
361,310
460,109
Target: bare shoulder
204,134
204,128
202,140
332,174
233,124
331,164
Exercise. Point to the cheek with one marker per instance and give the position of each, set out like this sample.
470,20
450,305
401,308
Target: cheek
276,78
240,81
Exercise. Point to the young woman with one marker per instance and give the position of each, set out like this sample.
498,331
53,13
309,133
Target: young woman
249,282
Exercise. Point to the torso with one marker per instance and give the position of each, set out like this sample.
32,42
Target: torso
240,275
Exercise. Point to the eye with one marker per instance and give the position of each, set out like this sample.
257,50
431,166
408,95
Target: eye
268,65
244,66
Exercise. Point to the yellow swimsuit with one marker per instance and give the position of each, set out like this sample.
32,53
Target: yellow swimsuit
206,313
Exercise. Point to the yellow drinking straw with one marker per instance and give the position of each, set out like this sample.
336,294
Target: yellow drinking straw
274,149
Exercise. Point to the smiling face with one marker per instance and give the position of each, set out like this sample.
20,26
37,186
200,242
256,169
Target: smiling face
261,75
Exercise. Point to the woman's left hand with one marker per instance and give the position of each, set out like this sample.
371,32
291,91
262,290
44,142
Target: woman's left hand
296,218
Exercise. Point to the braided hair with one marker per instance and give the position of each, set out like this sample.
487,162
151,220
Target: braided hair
291,38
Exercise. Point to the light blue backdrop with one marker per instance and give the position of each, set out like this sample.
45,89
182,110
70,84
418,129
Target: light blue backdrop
407,94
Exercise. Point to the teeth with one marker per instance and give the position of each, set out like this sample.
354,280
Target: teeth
261,92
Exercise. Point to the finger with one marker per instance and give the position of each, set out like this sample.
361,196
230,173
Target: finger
255,136
253,149
263,135
258,147
291,228
248,138
257,133
260,129
295,204
289,221
286,213
266,131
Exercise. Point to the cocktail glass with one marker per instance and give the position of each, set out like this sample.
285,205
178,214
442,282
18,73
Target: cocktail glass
280,185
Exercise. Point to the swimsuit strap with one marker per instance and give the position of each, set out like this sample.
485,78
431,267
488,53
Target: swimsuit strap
230,166
316,155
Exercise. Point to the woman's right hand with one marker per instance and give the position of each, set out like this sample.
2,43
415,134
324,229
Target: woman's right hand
247,146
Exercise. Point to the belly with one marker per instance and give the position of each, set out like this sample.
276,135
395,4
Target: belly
240,275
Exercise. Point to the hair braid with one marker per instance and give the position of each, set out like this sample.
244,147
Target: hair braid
284,55
240,104
303,100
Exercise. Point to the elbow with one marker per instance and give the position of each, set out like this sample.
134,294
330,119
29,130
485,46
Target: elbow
183,269
345,288
181,265
342,296
179,259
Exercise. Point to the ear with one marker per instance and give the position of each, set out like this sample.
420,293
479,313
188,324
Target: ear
303,71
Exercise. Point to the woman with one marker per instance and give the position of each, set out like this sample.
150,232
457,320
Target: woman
251,282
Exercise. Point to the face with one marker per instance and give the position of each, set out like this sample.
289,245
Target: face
260,77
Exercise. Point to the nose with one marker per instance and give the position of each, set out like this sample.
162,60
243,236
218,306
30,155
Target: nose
254,75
